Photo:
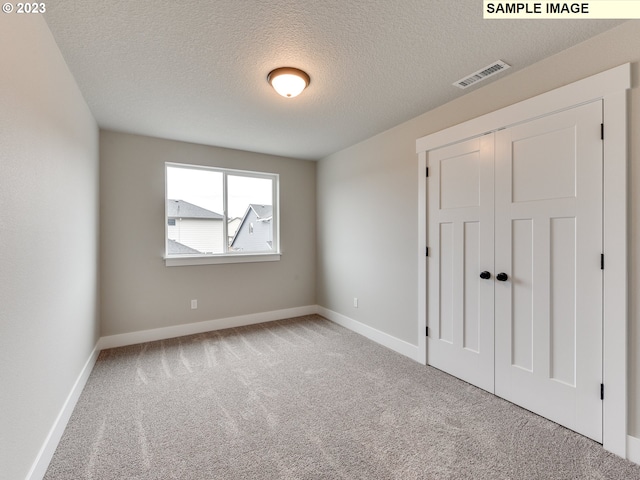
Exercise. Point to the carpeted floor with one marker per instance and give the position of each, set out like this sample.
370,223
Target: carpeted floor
305,399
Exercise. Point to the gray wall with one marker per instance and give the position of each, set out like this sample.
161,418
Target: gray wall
368,193
48,237
139,292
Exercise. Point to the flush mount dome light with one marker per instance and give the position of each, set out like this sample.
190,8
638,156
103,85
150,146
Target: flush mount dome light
288,82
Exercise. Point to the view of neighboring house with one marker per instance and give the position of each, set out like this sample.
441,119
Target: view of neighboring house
232,228
176,248
193,229
255,233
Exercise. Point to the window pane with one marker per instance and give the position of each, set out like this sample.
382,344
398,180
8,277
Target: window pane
194,211
250,205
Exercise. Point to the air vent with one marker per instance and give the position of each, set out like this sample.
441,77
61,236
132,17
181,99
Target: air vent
486,72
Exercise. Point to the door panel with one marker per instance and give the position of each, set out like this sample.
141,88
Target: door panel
471,317
447,253
522,309
459,181
563,300
460,232
532,158
548,315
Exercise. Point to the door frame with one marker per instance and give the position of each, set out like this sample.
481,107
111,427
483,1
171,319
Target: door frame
611,87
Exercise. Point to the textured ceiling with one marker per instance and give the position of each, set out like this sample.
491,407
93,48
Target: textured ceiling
196,70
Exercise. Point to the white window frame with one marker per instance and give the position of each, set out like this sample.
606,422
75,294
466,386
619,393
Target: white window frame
226,256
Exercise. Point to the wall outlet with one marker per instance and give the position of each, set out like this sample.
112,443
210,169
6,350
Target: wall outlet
194,304
355,302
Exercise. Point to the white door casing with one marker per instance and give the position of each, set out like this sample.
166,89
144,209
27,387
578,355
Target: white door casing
609,86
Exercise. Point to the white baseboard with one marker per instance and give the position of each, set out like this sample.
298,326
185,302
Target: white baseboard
395,344
41,463
124,339
633,449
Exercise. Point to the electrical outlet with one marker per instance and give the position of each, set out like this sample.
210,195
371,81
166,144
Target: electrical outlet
194,304
355,302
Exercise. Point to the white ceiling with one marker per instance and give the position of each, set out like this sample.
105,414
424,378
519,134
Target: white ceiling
195,70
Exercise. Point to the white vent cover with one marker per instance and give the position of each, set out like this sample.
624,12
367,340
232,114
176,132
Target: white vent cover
481,74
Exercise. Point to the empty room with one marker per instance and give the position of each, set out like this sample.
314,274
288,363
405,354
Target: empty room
343,239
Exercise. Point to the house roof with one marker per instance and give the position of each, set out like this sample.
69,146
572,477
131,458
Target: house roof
182,209
177,248
263,212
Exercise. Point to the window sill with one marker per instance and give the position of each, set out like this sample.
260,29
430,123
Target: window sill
184,260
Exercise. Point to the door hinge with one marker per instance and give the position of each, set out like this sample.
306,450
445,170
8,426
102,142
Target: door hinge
602,131
427,171
427,331
602,391
427,251
602,261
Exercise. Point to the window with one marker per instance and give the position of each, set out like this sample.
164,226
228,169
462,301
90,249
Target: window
216,215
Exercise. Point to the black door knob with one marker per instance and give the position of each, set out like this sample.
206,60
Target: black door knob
485,275
502,277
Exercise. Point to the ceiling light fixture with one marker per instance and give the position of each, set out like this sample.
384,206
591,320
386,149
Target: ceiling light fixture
288,82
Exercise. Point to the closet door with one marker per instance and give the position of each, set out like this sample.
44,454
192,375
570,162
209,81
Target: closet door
548,244
460,231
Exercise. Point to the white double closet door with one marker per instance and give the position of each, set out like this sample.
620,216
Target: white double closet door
514,279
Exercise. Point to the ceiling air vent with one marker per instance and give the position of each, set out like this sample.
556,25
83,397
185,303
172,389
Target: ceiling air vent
481,74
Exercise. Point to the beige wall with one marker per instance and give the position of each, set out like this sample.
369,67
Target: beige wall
48,238
139,292
368,193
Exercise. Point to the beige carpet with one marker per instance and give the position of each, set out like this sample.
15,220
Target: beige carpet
304,399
